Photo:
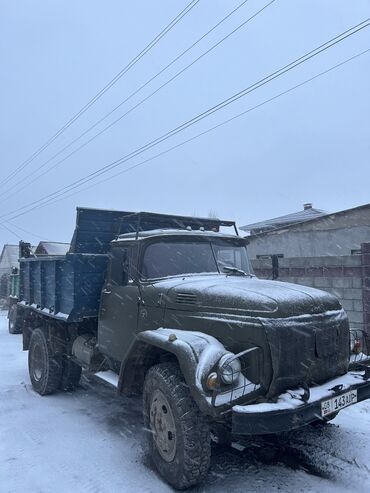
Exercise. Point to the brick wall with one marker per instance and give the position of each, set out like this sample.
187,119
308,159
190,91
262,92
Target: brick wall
342,276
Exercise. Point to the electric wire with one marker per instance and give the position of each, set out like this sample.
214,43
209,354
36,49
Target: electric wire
219,106
102,91
20,229
76,184
225,122
26,231
10,231
34,178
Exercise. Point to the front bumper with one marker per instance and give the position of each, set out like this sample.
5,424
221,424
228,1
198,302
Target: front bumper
290,412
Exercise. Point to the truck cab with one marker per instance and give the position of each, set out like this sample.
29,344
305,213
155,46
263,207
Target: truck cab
143,271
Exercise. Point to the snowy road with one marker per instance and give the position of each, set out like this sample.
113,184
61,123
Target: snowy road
90,441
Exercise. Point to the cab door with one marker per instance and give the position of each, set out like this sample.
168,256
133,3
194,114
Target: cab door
118,317
151,307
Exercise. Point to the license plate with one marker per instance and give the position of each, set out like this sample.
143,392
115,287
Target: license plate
337,403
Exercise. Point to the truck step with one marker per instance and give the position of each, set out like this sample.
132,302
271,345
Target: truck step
108,376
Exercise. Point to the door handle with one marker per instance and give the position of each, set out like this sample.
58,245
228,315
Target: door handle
106,291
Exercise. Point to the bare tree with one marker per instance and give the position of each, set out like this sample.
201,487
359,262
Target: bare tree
213,214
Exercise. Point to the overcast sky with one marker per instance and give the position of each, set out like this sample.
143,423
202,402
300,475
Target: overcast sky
311,145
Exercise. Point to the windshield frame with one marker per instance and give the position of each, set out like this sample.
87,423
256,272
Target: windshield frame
190,239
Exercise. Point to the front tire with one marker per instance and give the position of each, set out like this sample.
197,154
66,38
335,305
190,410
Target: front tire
178,434
44,368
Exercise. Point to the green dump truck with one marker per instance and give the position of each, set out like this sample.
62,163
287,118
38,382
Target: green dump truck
169,307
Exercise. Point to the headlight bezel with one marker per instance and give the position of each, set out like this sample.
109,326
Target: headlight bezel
214,381
229,368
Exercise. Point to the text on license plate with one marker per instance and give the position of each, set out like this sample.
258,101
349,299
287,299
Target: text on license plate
337,403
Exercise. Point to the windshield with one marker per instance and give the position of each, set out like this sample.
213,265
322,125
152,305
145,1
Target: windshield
231,255
173,258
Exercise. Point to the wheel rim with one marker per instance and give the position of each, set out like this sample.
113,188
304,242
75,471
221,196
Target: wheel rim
162,424
37,362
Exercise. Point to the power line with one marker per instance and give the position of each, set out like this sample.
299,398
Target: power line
225,122
20,229
26,231
102,91
10,231
17,189
76,184
203,115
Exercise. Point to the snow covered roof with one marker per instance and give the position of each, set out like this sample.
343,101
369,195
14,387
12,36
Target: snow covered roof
9,257
51,248
306,214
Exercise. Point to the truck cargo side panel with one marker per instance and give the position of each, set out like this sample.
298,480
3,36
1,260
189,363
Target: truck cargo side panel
66,287
50,284
37,283
89,275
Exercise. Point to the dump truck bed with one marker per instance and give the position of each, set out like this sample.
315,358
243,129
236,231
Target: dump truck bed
68,287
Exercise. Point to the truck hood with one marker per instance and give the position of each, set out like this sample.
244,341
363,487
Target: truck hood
245,295
302,332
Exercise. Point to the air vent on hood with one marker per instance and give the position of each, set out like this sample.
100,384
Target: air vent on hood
186,298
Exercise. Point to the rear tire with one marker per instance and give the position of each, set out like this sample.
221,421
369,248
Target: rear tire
71,375
44,368
12,321
177,432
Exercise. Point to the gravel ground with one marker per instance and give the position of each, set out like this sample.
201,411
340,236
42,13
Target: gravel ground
90,441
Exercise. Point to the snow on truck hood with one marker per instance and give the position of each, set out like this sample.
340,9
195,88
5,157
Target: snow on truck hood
257,296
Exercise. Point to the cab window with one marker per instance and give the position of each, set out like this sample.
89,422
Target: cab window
120,265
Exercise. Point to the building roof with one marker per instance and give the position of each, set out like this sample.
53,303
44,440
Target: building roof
329,216
51,248
9,257
306,214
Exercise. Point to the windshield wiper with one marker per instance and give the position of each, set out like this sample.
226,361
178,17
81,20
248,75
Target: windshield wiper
234,270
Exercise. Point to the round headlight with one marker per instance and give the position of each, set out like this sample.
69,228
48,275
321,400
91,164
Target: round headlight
229,368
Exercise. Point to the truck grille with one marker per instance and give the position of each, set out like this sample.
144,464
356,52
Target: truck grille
186,298
307,350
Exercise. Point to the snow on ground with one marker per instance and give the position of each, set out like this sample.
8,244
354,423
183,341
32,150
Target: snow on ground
90,441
